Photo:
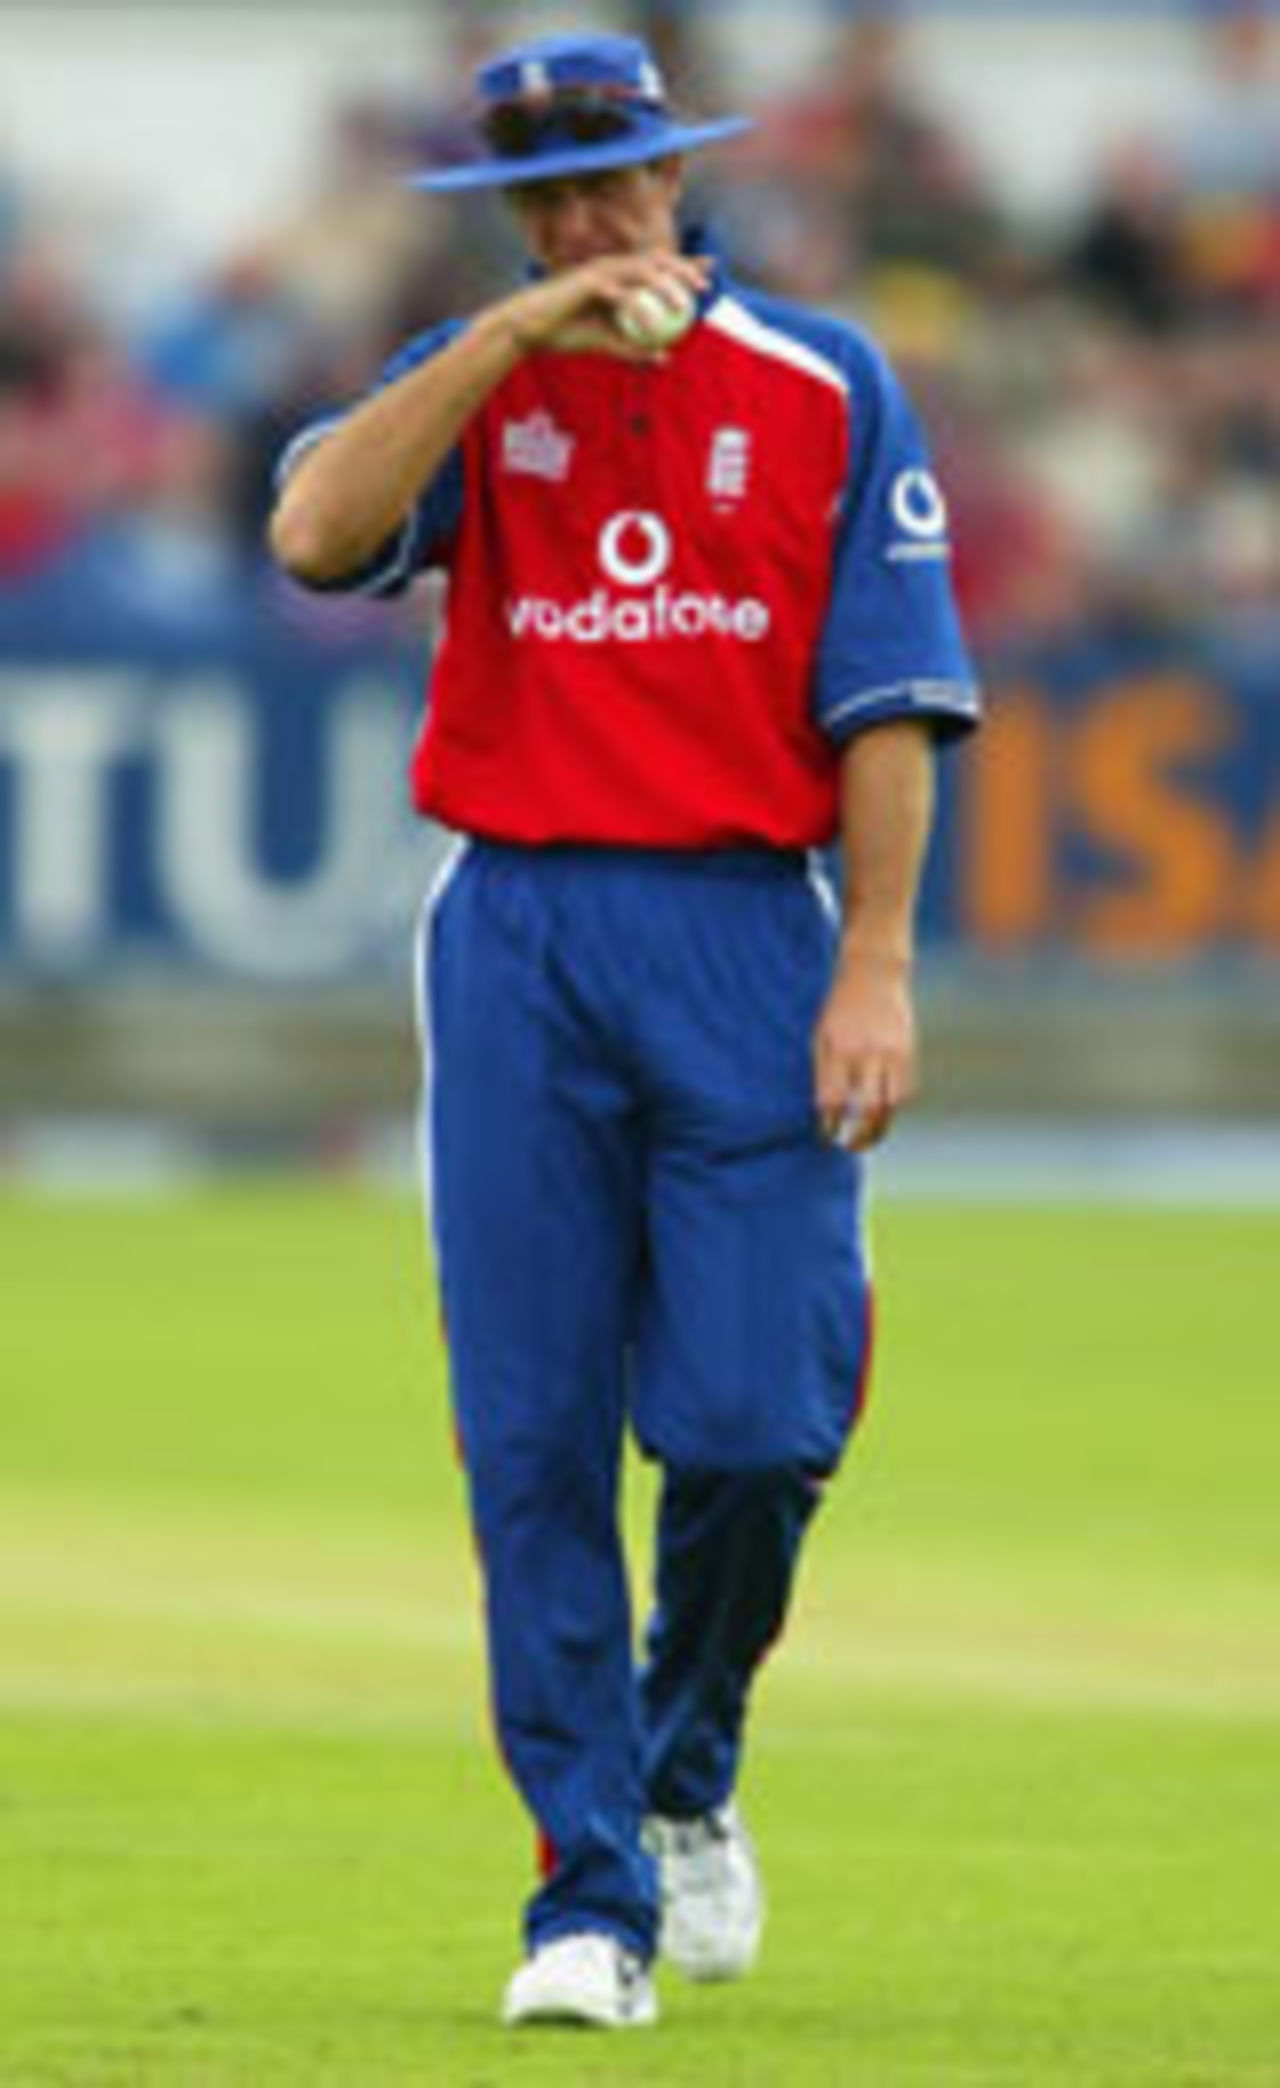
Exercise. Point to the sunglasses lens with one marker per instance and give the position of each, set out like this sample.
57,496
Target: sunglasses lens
595,126
511,130
517,129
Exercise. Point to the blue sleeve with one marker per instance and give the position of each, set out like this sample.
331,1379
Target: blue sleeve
892,645
427,535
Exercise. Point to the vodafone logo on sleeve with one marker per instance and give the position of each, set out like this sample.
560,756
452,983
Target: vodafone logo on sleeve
919,515
635,549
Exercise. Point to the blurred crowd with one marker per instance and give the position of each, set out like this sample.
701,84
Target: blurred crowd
1103,392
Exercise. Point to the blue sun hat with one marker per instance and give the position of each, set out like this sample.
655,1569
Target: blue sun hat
573,105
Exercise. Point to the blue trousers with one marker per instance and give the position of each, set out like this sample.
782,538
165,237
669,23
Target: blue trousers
637,1226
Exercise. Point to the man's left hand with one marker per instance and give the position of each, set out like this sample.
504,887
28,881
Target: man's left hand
864,1050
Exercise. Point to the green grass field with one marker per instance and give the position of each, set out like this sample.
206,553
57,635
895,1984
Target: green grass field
1016,1777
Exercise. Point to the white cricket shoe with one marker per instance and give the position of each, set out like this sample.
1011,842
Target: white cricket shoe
712,1899
588,1979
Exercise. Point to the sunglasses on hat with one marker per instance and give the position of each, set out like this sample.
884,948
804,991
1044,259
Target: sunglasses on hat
573,116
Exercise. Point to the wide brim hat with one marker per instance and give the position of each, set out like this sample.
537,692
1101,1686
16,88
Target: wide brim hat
566,105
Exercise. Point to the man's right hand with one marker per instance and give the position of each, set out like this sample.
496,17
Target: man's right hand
573,311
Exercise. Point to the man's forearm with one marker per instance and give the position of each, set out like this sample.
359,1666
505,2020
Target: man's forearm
358,485
865,1042
886,814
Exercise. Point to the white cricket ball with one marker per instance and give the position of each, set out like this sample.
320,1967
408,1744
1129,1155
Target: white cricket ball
655,319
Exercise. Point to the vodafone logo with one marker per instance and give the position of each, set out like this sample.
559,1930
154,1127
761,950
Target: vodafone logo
920,516
918,506
635,548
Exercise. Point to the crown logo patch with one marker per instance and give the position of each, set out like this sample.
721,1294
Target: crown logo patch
537,448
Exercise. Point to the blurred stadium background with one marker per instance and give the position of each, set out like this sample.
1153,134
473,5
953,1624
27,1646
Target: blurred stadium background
1065,224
